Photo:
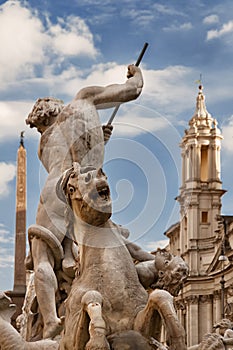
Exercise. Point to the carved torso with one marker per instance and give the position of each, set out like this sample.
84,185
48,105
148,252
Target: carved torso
107,267
76,136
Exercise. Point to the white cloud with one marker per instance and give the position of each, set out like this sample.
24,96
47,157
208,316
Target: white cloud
166,92
141,17
6,257
170,90
166,10
27,43
6,254
71,80
5,235
12,119
133,125
178,27
186,26
72,37
97,3
225,29
105,74
227,131
8,172
152,246
212,19
22,40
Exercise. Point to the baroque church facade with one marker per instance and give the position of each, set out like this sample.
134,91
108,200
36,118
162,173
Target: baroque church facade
203,237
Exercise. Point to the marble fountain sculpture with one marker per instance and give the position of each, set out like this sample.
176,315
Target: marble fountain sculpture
91,288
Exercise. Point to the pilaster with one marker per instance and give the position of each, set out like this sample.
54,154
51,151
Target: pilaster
192,328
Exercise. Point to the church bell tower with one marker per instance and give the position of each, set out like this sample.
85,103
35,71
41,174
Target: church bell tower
201,188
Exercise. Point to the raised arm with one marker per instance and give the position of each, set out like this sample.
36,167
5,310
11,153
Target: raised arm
109,96
137,252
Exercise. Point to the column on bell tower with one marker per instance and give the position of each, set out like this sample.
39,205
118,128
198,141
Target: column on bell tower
201,187
215,149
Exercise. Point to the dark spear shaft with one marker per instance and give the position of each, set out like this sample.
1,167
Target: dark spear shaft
141,54
136,64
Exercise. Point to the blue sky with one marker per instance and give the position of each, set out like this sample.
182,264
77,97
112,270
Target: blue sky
54,48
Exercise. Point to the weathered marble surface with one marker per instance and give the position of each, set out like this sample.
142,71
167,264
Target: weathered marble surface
107,303
107,296
221,340
68,133
10,339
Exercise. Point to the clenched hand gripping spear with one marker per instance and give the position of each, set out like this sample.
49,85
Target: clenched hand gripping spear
136,64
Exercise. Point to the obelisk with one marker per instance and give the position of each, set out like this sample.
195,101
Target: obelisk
20,227
18,293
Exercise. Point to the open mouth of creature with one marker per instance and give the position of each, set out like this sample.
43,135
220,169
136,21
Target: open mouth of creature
103,191
98,201
100,196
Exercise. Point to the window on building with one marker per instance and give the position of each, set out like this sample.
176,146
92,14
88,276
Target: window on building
204,217
204,163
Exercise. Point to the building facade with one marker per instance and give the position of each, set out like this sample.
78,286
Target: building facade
203,241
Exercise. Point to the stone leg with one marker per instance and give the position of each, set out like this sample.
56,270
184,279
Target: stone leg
92,305
45,286
10,338
68,263
146,322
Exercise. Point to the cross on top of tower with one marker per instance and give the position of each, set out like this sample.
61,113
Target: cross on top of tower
201,111
201,119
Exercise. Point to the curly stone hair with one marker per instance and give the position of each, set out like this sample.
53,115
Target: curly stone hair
224,323
43,111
